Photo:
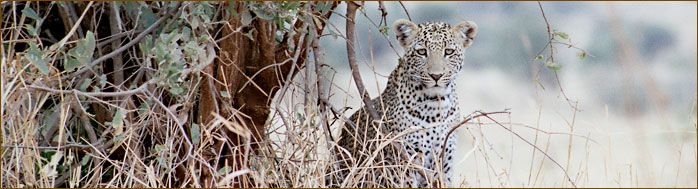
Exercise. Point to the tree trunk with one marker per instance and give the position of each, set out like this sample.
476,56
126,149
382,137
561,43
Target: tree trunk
239,59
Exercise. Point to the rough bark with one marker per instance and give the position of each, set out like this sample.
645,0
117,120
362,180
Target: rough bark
239,59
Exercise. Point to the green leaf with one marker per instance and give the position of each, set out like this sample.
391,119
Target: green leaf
581,55
539,57
250,35
82,53
333,34
195,133
161,148
84,160
324,7
562,35
176,90
29,12
50,119
186,33
146,44
224,171
72,63
194,22
384,29
144,108
246,18
162,162
225,94
262,13
147,16
131,8
229,9
86,83
34,55
102,81
118,121
31,30
553,66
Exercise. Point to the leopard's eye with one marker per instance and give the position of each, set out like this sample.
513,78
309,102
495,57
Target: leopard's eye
448,51
422,52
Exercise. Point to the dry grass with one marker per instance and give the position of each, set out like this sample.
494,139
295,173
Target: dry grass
55,134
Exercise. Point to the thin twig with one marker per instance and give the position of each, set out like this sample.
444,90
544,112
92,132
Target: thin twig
319,56
79,146
384,13
551,36
116,37
321,94
453,129
180,127
282,92
71,146
390,43
569,45
569,147
76,25
536,147
179,13
15,33
408,13
140,89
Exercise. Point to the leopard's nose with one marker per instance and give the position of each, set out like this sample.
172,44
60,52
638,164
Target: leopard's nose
436,77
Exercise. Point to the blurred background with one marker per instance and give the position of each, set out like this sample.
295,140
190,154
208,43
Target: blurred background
635,90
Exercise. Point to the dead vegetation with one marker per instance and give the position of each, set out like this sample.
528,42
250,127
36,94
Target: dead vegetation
198,94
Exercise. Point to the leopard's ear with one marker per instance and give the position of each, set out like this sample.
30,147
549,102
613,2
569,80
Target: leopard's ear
465,32
405,31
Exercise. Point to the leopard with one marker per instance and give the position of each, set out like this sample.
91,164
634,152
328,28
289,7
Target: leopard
420,95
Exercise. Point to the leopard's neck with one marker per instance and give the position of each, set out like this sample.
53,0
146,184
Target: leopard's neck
412,98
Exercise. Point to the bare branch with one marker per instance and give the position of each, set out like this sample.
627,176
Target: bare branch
319,56
115,28
351,55
443,149
140,89
116,37
384,13
486,114
282,92
403,8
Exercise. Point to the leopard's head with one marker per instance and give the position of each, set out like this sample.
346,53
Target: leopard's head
434,51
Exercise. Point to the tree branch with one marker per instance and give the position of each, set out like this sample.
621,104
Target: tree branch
551,36
115,28
403,8
351,55
140,89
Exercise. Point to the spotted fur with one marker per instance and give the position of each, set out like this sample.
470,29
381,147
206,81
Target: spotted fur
420,93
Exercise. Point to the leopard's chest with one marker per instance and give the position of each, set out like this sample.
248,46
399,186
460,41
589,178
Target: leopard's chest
435,115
